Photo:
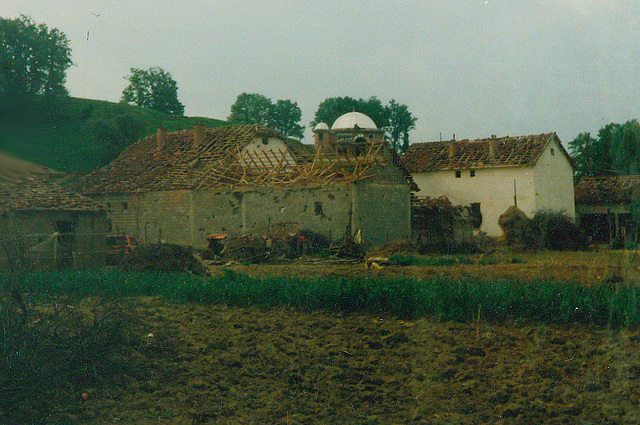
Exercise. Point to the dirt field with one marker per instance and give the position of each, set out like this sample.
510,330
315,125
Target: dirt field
226,365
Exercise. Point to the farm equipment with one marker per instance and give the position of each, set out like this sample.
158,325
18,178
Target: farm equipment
283,239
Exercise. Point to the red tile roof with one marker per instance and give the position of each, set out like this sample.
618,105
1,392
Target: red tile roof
608,190
218,161
454,155
26,187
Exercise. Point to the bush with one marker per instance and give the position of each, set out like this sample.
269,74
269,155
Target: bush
552,230
47,358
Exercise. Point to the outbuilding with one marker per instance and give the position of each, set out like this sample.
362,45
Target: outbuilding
44,225
531,172
179,187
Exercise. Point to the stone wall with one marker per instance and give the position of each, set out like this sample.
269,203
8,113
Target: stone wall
186,217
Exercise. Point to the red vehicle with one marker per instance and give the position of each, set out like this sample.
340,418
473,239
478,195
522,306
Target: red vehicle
119,246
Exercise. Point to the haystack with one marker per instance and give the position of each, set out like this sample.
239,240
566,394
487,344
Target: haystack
511,222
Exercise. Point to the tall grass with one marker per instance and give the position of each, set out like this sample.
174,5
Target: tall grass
445,299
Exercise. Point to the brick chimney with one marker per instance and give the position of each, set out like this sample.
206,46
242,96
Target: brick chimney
161,136
198,134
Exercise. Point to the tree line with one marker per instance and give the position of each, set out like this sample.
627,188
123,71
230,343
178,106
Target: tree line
614,151
284,115
34,60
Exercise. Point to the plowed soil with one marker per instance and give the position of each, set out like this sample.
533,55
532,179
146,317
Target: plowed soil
216,364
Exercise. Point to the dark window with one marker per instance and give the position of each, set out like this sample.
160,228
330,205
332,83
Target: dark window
553,152
472,173
265,140
476,215
125,206
458,174
318,208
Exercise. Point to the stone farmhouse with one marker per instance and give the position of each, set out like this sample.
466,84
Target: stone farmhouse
179,187
531,172
43,225
603,206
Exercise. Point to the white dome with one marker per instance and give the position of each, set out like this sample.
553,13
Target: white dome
321,126
351,120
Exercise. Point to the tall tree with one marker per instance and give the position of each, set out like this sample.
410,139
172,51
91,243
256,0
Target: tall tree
285,116
250,108
582,148
616,150
394,118
153,88
253,108
331,108
401,121
33,58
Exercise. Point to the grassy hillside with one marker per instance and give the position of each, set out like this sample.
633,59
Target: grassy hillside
79,135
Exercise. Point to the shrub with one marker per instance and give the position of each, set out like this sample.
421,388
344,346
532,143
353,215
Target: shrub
48,358
552,230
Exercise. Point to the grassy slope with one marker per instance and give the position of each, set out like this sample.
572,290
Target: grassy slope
73,134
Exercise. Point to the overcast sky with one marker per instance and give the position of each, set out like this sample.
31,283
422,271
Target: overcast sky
469,67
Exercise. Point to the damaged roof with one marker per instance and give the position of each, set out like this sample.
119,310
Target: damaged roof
205,158
26,187
494,152
608,190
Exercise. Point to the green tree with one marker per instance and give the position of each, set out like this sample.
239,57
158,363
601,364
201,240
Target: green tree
582,148
33,58
285,116
394,118
331,108
401,121
616,150
250,108
153,88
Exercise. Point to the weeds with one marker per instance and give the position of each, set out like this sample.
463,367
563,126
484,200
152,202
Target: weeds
46,361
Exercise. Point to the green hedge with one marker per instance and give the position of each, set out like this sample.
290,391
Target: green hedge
445,299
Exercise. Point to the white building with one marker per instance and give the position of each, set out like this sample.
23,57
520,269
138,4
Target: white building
531,172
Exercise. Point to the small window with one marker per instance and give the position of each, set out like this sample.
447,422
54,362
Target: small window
318,208
553,152
458,174
125,206
472,173
320,136
265,140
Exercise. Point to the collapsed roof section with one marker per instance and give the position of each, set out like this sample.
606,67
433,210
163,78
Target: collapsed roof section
608,190
230,157
494,152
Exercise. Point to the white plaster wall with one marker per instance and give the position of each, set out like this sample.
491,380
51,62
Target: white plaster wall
257,147
493,188
554,181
